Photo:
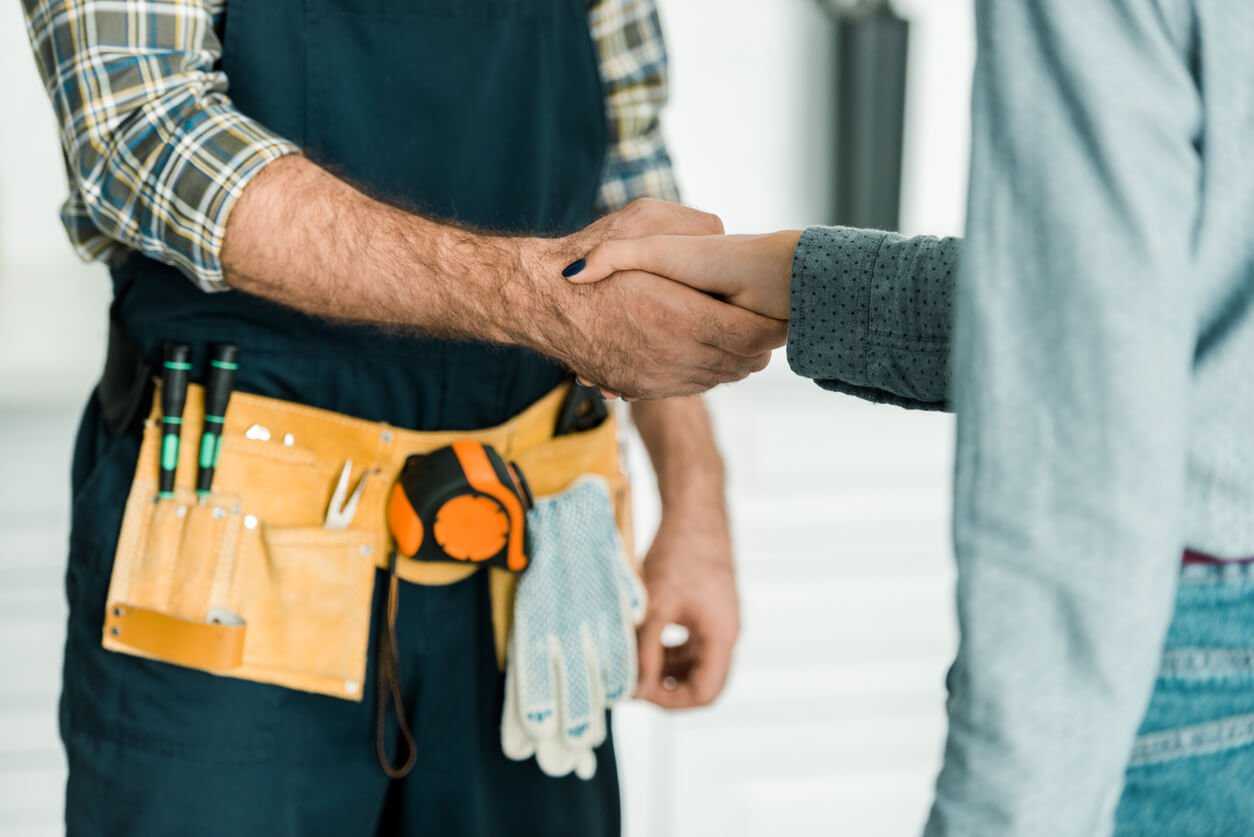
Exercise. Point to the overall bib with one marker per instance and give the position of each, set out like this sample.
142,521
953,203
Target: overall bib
484,112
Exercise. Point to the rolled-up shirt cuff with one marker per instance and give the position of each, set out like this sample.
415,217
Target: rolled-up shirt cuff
831,303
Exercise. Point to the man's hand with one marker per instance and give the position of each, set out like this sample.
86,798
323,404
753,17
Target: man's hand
302,237
752,271
642,336
688,571
691,582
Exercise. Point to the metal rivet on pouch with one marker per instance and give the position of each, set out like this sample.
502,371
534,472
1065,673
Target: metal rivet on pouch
258,433
288,440
117,611
223,616
386,436
115,631
250,521
218,512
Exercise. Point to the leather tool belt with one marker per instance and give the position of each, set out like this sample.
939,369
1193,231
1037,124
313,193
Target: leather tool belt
248,583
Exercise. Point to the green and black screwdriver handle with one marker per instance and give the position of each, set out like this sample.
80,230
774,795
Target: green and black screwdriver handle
220,380
175,368
218,386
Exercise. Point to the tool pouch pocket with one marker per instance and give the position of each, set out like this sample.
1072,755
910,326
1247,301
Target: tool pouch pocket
171,587
307,603
208,584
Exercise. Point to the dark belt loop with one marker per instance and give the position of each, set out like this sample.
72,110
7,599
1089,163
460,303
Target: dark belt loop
125,385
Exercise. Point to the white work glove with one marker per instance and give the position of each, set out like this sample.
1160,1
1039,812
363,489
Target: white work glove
572,652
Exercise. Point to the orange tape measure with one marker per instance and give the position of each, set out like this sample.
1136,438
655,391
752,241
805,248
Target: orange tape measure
461,503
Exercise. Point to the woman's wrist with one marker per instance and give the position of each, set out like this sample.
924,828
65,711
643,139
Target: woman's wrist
774,297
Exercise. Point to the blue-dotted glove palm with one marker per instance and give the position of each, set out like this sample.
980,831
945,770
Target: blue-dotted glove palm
572,653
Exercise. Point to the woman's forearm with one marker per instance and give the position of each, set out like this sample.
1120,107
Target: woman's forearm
871,314
869,310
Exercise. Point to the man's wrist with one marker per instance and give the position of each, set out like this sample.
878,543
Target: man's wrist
692,487
699,489
529,308
493,286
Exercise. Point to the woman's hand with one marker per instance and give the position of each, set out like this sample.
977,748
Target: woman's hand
751,271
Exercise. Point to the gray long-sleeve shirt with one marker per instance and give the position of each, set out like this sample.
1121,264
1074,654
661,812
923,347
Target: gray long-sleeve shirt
1102,348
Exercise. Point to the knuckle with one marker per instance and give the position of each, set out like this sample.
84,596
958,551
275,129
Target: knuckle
764,339
712,379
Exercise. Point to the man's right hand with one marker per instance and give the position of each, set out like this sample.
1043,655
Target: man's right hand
641,335
304,238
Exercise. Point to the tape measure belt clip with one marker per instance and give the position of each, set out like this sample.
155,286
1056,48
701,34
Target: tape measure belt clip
461,503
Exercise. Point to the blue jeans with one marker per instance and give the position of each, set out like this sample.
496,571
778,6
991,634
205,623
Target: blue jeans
1191,769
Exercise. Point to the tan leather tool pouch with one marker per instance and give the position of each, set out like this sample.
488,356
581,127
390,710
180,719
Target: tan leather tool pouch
224,585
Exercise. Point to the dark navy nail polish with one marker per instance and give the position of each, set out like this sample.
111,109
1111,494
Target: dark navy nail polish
575,268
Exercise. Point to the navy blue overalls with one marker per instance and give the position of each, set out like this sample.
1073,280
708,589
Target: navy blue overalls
485,112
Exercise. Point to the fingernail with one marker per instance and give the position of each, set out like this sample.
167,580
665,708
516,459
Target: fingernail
575,268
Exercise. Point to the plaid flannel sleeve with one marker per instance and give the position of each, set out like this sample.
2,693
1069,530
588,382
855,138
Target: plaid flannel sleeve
632,51
155,152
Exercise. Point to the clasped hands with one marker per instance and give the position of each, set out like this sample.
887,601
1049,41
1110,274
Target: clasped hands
659,303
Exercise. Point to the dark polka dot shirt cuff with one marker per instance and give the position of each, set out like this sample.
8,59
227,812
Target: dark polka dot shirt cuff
871,314
831,276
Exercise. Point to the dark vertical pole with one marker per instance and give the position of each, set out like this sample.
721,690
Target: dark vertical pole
874,51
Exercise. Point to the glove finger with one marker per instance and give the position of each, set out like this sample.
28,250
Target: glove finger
598,706
555,758
516,744
574,699
586,764
631,590
617,660
538,688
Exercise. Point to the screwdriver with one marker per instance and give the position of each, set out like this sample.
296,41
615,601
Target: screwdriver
174,370
220,381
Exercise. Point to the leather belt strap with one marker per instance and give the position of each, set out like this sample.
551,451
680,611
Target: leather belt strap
388,667
1193,557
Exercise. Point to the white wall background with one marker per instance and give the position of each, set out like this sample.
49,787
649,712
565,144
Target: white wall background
833,720
45,292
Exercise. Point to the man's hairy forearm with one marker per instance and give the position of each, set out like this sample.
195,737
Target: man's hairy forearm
303,238
679,436
306,239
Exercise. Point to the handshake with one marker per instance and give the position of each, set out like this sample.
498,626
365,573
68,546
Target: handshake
654,301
